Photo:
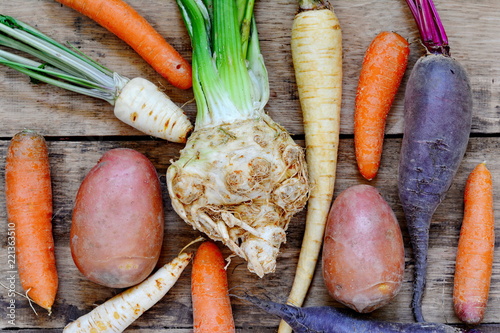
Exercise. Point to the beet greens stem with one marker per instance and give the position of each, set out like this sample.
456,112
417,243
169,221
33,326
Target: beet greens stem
430,26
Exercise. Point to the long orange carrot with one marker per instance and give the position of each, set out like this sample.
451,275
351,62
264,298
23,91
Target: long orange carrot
383,67
209,289
29,210
475,248
128,25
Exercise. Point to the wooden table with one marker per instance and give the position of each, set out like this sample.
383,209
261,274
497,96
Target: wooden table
80,129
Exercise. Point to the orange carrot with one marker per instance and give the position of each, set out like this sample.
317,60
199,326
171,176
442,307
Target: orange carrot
382,70
475,248
209,289
128,25
29,210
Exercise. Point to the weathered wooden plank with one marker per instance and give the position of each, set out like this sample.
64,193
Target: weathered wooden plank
472,28
71,160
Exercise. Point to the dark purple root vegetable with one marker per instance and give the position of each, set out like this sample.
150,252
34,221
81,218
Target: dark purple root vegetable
438,114
327,319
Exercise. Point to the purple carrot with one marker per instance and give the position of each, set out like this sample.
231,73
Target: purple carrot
326,319
437,122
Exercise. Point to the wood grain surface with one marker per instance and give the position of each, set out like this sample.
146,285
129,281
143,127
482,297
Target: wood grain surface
80,129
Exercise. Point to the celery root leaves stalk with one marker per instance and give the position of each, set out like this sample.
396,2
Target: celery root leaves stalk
438,115
241,177
137,102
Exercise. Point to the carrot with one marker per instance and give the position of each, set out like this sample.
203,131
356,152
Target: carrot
384,65
209,289
318,70
28,195
475,248
128,25
117,313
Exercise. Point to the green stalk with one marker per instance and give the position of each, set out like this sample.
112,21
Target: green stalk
230,59
241,177
245,18
60,66
42,74
230,82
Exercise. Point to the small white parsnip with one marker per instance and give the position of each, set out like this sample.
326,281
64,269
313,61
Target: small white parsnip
116,314
143,106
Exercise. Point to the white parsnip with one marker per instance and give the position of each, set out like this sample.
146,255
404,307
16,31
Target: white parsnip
142,105
138,102
317,58
116,314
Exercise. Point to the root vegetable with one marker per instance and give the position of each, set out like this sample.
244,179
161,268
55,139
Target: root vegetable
328,319
240,177
437,122
476,247
127,24
117,313
363,250
383,68
318,70
28,196
117,225
137,102
209,291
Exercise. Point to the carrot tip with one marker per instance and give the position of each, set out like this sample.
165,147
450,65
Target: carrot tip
368,175
470,312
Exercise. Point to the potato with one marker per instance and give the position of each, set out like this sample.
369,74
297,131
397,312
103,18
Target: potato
363,251
118,223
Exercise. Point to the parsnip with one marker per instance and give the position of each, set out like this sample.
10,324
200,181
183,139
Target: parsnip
317,58
143,106
138,102
116,314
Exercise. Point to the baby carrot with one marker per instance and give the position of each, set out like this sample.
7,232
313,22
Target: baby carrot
28,195
209,290
128,25
383,67
475,248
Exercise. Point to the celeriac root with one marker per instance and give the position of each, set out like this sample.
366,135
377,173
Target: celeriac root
241,183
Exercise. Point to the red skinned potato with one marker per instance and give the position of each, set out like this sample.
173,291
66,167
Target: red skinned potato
118,222
363,251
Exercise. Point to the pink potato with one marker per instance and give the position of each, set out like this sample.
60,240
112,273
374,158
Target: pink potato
363,251
117,229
